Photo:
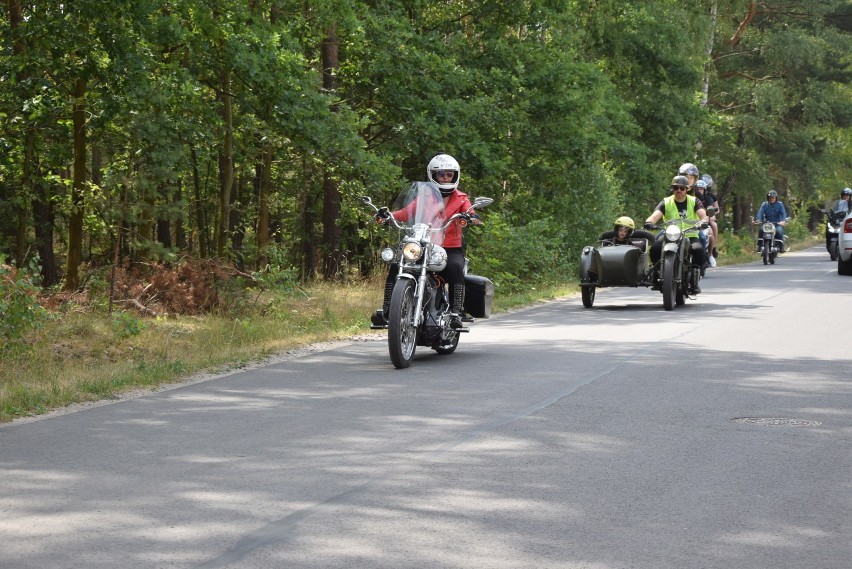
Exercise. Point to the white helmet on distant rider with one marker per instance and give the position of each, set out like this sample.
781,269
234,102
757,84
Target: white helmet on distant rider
688,169
438,172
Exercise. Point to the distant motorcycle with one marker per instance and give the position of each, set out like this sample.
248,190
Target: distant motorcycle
768,244
835,216
419,313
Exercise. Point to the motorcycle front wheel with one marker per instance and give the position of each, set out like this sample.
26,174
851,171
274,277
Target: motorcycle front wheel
766,253
669,292
402,333
588,294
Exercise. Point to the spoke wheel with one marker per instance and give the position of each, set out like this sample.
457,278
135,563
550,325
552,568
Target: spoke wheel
669,281
402,333
766,253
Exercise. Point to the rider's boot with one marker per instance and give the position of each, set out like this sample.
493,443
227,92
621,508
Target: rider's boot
456,306
696,288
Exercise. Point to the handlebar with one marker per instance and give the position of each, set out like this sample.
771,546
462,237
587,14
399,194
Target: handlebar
466,216
695,224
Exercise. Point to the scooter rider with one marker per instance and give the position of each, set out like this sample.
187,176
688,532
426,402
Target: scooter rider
444,171
772,210
841,205
679,205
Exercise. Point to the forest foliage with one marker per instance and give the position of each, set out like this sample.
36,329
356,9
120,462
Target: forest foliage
244,131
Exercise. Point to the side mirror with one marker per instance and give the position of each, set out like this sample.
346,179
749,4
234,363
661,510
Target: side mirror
366,200
481,202
711,211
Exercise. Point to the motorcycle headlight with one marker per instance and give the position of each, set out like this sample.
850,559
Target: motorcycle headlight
437,259
387,254
768,227
412,251
673,233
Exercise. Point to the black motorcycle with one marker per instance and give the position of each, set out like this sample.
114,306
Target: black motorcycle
768,243
835,217
419,313
674,273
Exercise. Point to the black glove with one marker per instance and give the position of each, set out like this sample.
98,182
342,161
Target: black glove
705,225
648,225
382,216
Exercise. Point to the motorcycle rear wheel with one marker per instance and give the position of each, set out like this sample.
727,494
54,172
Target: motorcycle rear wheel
402,333
833,252
668,271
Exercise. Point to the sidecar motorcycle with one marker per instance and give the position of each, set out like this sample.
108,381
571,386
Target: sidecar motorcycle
606,264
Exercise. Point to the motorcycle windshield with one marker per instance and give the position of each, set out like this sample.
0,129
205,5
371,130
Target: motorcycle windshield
420,206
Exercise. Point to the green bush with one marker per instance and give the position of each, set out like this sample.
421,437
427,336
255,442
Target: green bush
512,255
126,325
19,307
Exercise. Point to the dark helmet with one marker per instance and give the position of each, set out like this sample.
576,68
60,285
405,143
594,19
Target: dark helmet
845,192
771,194
700,184
680,181
688,169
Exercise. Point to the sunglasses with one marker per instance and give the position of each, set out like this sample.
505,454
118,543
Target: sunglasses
679,188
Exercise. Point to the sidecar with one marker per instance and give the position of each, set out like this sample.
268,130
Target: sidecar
605,265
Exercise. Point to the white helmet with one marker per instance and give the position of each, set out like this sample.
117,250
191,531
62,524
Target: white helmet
444,162
688,169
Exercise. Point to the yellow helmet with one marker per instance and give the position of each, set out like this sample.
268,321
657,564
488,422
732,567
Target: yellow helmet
626,222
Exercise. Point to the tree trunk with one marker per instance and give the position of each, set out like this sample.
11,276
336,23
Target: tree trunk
235,227
264,176
164,233
19,48
333,255
307,217
226,166
180,231
200,218
44,220
78,186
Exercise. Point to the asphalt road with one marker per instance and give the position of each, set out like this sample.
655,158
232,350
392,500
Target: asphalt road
717,435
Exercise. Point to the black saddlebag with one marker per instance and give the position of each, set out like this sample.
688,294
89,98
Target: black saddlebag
478,296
